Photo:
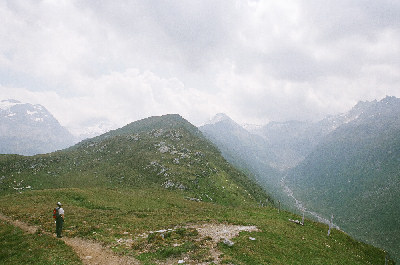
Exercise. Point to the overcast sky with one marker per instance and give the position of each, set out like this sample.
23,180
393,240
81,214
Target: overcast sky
114,62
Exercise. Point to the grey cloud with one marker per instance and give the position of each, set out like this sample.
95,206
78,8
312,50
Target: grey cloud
341,19
190,33
349,35
276,59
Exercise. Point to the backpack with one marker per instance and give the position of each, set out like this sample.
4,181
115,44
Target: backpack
55,213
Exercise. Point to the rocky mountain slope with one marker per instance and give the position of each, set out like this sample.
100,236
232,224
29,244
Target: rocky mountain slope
162,152
28,129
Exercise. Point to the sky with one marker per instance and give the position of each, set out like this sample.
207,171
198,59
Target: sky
105,63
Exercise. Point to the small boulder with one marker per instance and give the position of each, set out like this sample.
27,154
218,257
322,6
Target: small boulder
228,242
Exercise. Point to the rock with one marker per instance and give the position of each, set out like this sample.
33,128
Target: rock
228,242
163,149
252,238
181,261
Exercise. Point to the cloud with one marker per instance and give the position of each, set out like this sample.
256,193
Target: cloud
118,98
114,62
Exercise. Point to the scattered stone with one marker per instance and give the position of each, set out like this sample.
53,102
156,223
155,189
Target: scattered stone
193,199
296,222
88,257
181,261
252,238
168,184
160,231
163,149
228,242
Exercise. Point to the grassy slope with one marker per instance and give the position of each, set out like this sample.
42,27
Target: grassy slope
109,215
156,152
116,183
17,247
355,176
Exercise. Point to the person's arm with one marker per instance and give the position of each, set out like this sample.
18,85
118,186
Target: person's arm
62,213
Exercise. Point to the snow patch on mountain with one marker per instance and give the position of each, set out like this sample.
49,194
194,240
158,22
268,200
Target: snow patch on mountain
92,130
251,127
8,103
29,129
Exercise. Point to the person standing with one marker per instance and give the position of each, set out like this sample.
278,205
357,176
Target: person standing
59,219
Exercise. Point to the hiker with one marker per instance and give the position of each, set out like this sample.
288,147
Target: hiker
59,216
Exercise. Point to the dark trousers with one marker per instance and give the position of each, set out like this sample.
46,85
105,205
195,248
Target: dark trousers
59,225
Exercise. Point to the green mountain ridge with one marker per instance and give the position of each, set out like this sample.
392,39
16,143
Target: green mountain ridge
163,152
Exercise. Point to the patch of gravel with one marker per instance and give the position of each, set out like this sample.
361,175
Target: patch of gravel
220,232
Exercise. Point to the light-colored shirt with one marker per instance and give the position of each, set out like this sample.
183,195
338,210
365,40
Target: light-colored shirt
60,211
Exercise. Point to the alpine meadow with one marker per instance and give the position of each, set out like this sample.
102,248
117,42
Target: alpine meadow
145,191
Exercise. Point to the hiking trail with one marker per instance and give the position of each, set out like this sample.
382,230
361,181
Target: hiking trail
89,252
93,253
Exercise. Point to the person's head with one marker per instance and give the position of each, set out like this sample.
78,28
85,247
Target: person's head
59,204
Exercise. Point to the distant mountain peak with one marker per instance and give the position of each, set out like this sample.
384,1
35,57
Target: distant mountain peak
219,117
390,99
29,129
8,103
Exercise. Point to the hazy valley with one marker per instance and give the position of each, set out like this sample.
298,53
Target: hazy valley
345,165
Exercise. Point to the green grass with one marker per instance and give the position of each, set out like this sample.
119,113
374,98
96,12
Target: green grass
119,217
119,187
133,156
17,247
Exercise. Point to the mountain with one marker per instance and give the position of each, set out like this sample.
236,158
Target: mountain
236,142
161,152
353,173
292,141
159,191
28,129
345,164
245,150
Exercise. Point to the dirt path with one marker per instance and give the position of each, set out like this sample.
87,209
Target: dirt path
93,253
90,252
